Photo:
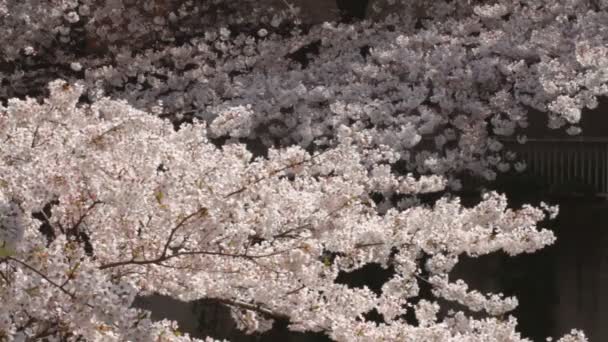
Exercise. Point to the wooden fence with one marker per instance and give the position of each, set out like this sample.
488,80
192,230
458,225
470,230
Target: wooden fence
582,161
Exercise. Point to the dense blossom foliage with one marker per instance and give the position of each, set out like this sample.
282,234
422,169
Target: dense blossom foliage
135,207
458,73
260,189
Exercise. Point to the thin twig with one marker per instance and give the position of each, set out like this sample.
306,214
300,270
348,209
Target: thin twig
251,306
83,216
201,211
42,275
167,257
272,173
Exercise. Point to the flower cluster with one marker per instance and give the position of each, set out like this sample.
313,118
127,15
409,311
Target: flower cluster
436,79
262,187
104,202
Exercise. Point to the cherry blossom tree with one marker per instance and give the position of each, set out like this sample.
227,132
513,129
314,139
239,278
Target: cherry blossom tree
232,151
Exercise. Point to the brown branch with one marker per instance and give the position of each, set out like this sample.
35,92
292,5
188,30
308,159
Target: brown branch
70,274
35,137
201,211
294,291
83,216
294,229
167,257
272,173
371,244
4,277
252,307
48,220
48,331
306,225
43,276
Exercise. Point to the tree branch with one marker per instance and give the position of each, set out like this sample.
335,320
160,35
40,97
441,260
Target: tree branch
274,172
43,276
167,257
83,216
202,211
253,307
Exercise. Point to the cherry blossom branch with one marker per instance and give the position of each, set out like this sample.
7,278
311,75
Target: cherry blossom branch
43,276
253,307
168,257
83,216
202,211
4,277
272,173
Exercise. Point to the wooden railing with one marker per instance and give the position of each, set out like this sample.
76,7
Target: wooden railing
566,161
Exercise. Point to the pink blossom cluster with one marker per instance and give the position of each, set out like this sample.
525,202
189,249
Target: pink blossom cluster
135,207
259,189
